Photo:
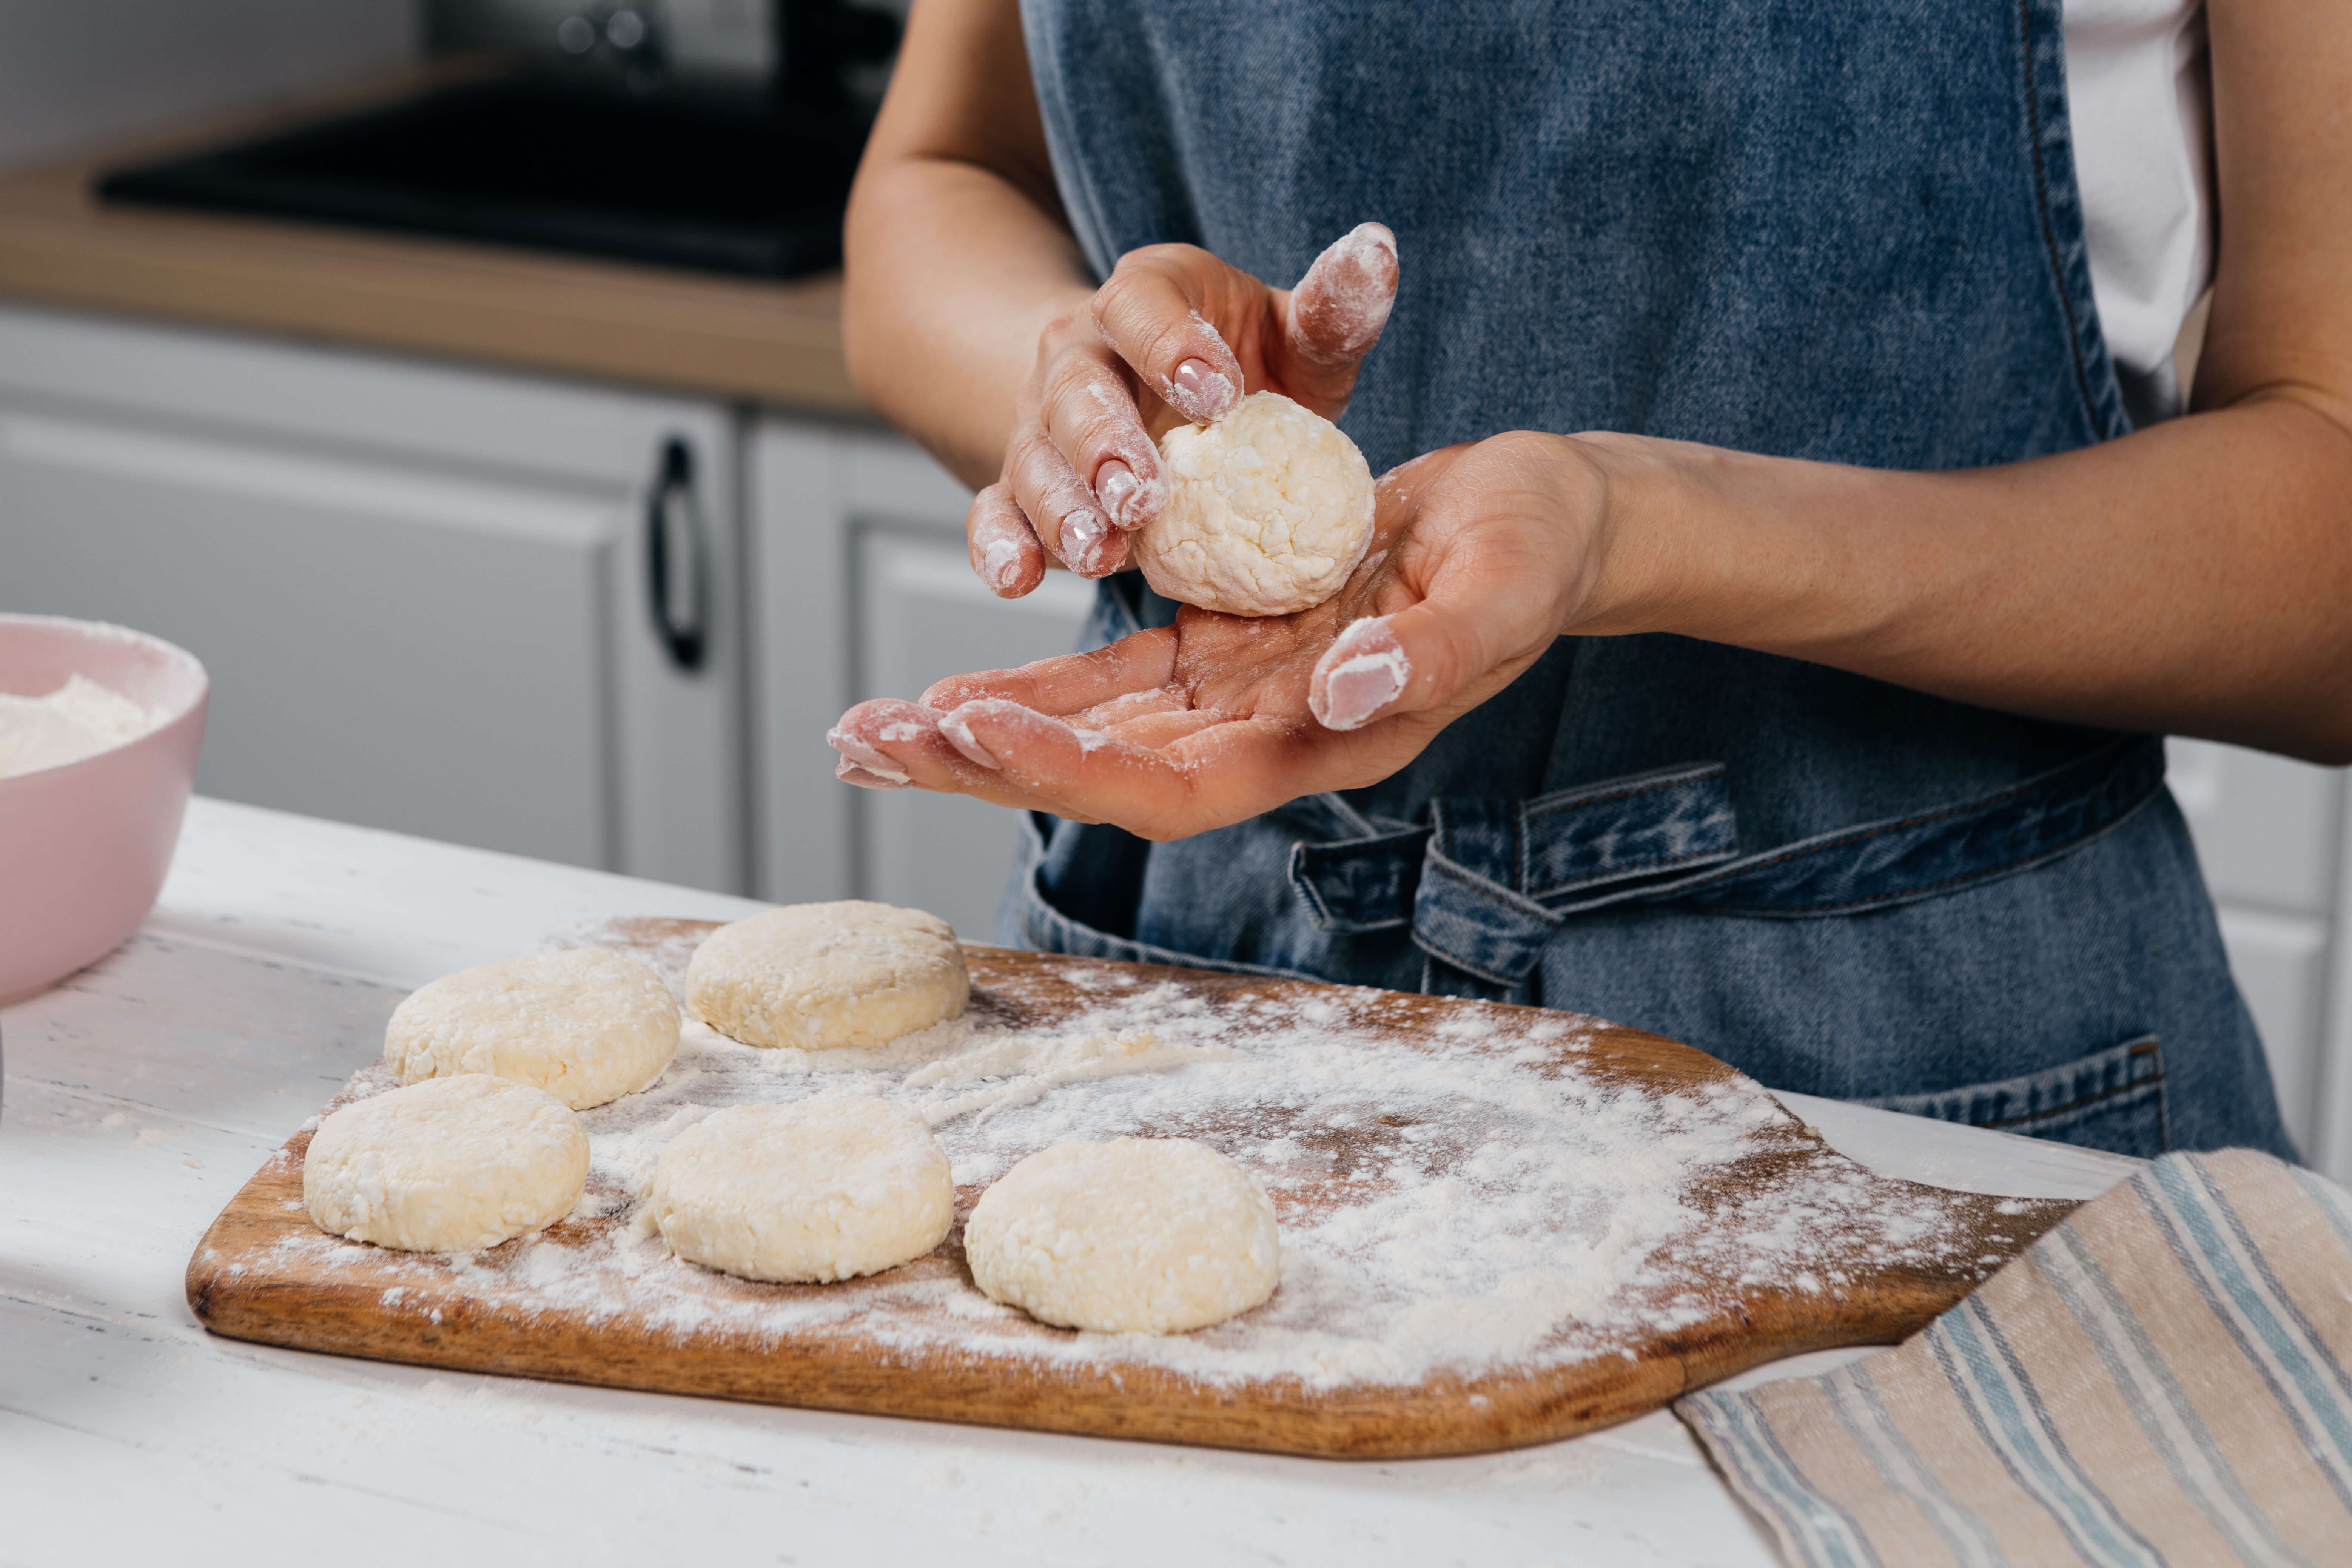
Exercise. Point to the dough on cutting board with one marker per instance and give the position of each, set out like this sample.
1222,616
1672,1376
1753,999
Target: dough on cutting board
450,1165
821,1189
588,1026
1268,510
1150,1235
825,977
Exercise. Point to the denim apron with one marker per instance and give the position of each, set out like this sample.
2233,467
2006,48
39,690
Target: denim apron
1843,232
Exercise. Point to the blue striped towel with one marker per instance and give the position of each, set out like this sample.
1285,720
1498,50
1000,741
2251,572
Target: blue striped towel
2161,1380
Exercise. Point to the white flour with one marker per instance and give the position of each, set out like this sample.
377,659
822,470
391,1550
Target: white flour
1346,294
1488,1200
1363,670
78,720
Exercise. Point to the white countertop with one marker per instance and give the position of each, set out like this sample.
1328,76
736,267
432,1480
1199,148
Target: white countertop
141,1094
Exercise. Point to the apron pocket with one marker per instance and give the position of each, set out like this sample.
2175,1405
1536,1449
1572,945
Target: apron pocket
2112,1100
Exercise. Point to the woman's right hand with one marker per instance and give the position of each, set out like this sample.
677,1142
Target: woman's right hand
1175,335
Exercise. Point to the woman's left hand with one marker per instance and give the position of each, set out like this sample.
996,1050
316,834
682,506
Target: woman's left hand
1481,555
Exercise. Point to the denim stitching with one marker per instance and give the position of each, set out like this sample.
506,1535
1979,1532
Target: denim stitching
1320,913
2048,229
1634,868
1316,910
2050,852
1965,808
1703,770
2154,1080
1519,837
1489,887
1475,971
1302,882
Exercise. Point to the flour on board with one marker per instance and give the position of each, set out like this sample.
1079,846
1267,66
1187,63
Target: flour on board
1474,1201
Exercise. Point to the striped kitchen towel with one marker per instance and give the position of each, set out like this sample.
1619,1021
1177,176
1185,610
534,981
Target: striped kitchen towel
2161,1380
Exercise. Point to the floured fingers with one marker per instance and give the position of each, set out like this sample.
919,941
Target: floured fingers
1061,510
1150,313
1092,418
1335,314
1070,683
1005,553
1220,771
886,744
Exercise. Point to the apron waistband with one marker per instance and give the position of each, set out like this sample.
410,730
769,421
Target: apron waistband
1486,882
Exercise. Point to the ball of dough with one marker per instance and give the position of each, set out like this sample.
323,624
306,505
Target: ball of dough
587,1025
827,1188
824,977
447,1165
1150,1235
1269,511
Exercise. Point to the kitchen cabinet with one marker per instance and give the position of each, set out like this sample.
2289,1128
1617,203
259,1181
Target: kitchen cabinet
865,590
2271,834
425,595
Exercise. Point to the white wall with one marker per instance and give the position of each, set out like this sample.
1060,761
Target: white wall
79,71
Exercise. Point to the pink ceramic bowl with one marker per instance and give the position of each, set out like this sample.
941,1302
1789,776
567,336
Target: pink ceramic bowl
84,847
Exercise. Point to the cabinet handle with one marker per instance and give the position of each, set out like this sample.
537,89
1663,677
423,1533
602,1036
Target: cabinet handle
675,575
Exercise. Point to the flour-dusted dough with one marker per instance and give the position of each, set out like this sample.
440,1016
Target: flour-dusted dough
588,1026
447,1165
1268,510
824,977
1150,1235
821,1189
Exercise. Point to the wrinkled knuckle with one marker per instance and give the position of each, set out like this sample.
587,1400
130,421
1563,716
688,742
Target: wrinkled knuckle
994,505
1031,463
1170,344
947,694
1072,328
1117,293
1088,406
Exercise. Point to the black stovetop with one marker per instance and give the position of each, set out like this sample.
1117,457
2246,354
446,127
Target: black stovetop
744,185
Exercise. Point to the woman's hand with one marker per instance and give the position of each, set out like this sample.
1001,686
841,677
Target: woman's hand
1481,555
1175,335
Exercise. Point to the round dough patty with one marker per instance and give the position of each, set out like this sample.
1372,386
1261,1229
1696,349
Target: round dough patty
825,1189
825,977
1268,510
588,1026
1150,1235
450,1165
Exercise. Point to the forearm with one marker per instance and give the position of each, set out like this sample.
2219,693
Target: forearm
956,253
2196,577
952,274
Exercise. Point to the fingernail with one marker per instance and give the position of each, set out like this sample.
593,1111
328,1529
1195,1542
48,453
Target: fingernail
1200,391
1085,543
1001,566
849,773
958,730
1354,287
1364,671
1115,487
856,752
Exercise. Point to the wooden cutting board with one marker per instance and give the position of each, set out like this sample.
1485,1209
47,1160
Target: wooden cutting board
1783,1244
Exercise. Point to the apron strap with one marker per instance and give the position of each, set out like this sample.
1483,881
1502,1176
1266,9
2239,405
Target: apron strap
1488,883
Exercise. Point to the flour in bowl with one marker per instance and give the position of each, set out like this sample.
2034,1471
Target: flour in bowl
78,720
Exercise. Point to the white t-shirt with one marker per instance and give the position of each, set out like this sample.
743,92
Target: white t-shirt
2139,99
